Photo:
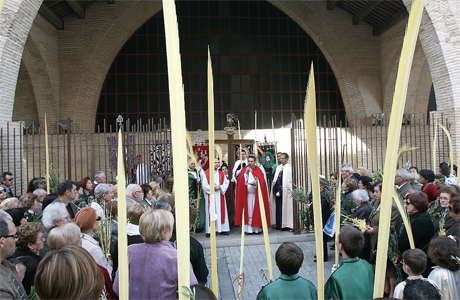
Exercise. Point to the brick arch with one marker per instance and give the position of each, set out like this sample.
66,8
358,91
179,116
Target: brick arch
303,13
439,33
15,23
106,51
418,91
46,90
108,48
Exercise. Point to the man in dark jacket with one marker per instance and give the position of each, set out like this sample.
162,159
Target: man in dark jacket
66,192
10,284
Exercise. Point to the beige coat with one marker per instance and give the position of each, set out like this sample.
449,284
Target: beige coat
375,218
7,275
287,209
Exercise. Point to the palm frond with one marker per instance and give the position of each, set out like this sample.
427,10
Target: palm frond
405,217
403,150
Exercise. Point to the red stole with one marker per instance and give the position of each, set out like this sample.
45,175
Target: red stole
242,200
222,198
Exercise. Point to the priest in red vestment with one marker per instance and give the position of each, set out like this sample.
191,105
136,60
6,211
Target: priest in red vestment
247,197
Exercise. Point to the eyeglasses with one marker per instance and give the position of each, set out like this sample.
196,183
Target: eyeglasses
403,263
444,198
24,217
139,192
10,179
11,235
408,202
2,191
98,218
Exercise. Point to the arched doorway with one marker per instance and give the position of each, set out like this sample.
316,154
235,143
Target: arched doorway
261,59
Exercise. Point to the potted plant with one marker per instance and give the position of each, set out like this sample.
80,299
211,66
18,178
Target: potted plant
299,194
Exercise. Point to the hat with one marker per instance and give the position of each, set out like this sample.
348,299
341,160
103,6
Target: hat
85,218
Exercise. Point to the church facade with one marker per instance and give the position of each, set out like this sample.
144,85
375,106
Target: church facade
111,61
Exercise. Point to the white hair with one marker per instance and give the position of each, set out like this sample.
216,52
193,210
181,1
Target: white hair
102,188
361,195
404,174
348,167
98,175
130,189
38,192
54,211
5,215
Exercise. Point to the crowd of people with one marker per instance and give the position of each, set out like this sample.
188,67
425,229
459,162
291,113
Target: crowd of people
433,210
64,245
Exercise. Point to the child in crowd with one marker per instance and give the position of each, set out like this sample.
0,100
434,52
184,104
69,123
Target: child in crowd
289,285
354,279
419,289
413,264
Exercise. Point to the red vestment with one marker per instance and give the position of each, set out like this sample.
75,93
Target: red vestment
242,200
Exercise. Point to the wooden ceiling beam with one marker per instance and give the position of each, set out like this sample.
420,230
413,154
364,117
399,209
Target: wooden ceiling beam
402,14
365,11
77,8
331,4
51,17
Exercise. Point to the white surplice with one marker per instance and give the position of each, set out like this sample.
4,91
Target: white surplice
213,209
252,190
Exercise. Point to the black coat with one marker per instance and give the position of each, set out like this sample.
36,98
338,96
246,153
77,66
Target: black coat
362,212
422,231
454,229
31,261
325,207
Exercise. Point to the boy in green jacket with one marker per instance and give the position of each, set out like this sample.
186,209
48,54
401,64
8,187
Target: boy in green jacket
354,279
289,285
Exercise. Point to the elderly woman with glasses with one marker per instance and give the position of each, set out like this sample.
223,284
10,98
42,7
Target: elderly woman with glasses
422,227
439,212
454,213
88,221
160,279
30,241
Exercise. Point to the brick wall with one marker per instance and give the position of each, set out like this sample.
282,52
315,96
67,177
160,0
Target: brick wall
67,68
25,106
86,49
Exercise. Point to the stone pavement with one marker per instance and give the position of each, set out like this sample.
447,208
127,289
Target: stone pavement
255,262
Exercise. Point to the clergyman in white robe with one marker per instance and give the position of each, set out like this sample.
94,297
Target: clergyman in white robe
213,207
252,190
287,205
